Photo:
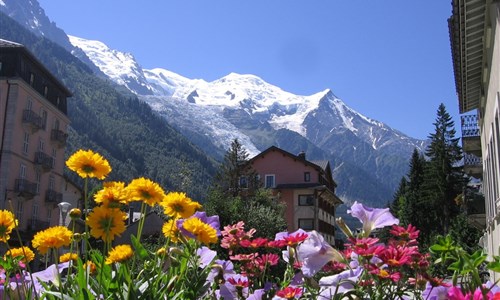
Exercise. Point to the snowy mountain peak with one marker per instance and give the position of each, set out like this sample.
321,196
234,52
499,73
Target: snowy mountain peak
121,67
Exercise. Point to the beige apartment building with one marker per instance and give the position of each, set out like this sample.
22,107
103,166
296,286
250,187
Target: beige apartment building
33,133
475,43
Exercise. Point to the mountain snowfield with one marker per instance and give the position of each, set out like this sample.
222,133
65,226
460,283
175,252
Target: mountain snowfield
263,101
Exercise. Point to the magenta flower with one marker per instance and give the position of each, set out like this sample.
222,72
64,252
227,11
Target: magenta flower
372,218
314,253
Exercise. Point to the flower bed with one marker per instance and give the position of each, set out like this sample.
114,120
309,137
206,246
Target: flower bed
297,265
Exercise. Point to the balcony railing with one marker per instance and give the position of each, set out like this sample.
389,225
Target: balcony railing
52,196
59,137
471,135
43,160
35,225
33,119
473,165
25,188
470,126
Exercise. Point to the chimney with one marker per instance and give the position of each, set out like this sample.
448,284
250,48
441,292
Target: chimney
302,155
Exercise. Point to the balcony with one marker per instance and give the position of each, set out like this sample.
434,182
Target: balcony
32,119
35,225
43,161
473,165
59,137
52,196
25,188
471,136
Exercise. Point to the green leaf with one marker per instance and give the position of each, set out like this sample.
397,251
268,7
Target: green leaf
494,266
139,248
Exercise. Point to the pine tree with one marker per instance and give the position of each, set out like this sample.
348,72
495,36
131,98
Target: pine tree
443,177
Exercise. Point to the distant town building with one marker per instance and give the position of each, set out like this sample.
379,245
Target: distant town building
475,41
306,187
33,133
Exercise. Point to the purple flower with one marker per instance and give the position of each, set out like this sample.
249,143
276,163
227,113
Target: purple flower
222,269
372,218
435,293
282,235
257,295
206,256
339,283
314,253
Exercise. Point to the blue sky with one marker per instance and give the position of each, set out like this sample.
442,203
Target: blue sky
389,60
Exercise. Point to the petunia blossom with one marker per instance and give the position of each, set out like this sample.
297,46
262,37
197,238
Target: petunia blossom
315,252
206,256
372,218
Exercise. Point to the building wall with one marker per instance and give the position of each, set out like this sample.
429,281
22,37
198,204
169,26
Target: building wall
288,170
490,142
20,143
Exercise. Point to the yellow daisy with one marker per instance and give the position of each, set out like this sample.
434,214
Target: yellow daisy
7,223
113,194
25,253
202,231
88,164
178,205
146,190
52,238
105,223
170,230
119,253
67,257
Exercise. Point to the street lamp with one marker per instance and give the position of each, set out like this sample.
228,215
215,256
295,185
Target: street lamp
64,208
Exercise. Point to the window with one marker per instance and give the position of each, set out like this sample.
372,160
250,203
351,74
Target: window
45,91
307,176
32,79
44,118
54,156
306,200
306,224
243,182
19,210
37,181
49,215
270,182
26,140
34,215
29,103
52,182
41,145
22,171
56,124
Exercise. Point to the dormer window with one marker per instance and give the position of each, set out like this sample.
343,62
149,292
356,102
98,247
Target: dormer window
307,176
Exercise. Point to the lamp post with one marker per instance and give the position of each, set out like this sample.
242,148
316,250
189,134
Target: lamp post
64,208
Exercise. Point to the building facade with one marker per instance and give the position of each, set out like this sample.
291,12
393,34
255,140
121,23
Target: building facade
475,42
33,133
306,187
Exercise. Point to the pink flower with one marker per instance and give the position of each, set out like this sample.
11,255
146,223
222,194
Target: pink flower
289,293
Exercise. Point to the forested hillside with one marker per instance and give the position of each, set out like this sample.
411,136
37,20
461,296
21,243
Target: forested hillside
135,140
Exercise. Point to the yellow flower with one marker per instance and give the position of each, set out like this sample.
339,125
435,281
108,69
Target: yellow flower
25,253
88,164
106,222
119,253
171,231
52,238
75,213
7,223
67,257
113,194
202,231
178,205
161,251
90,267
146,190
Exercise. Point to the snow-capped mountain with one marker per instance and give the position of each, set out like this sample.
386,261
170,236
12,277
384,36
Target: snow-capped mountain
368,158
246,107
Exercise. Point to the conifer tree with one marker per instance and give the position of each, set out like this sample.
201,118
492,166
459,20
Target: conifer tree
443,176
